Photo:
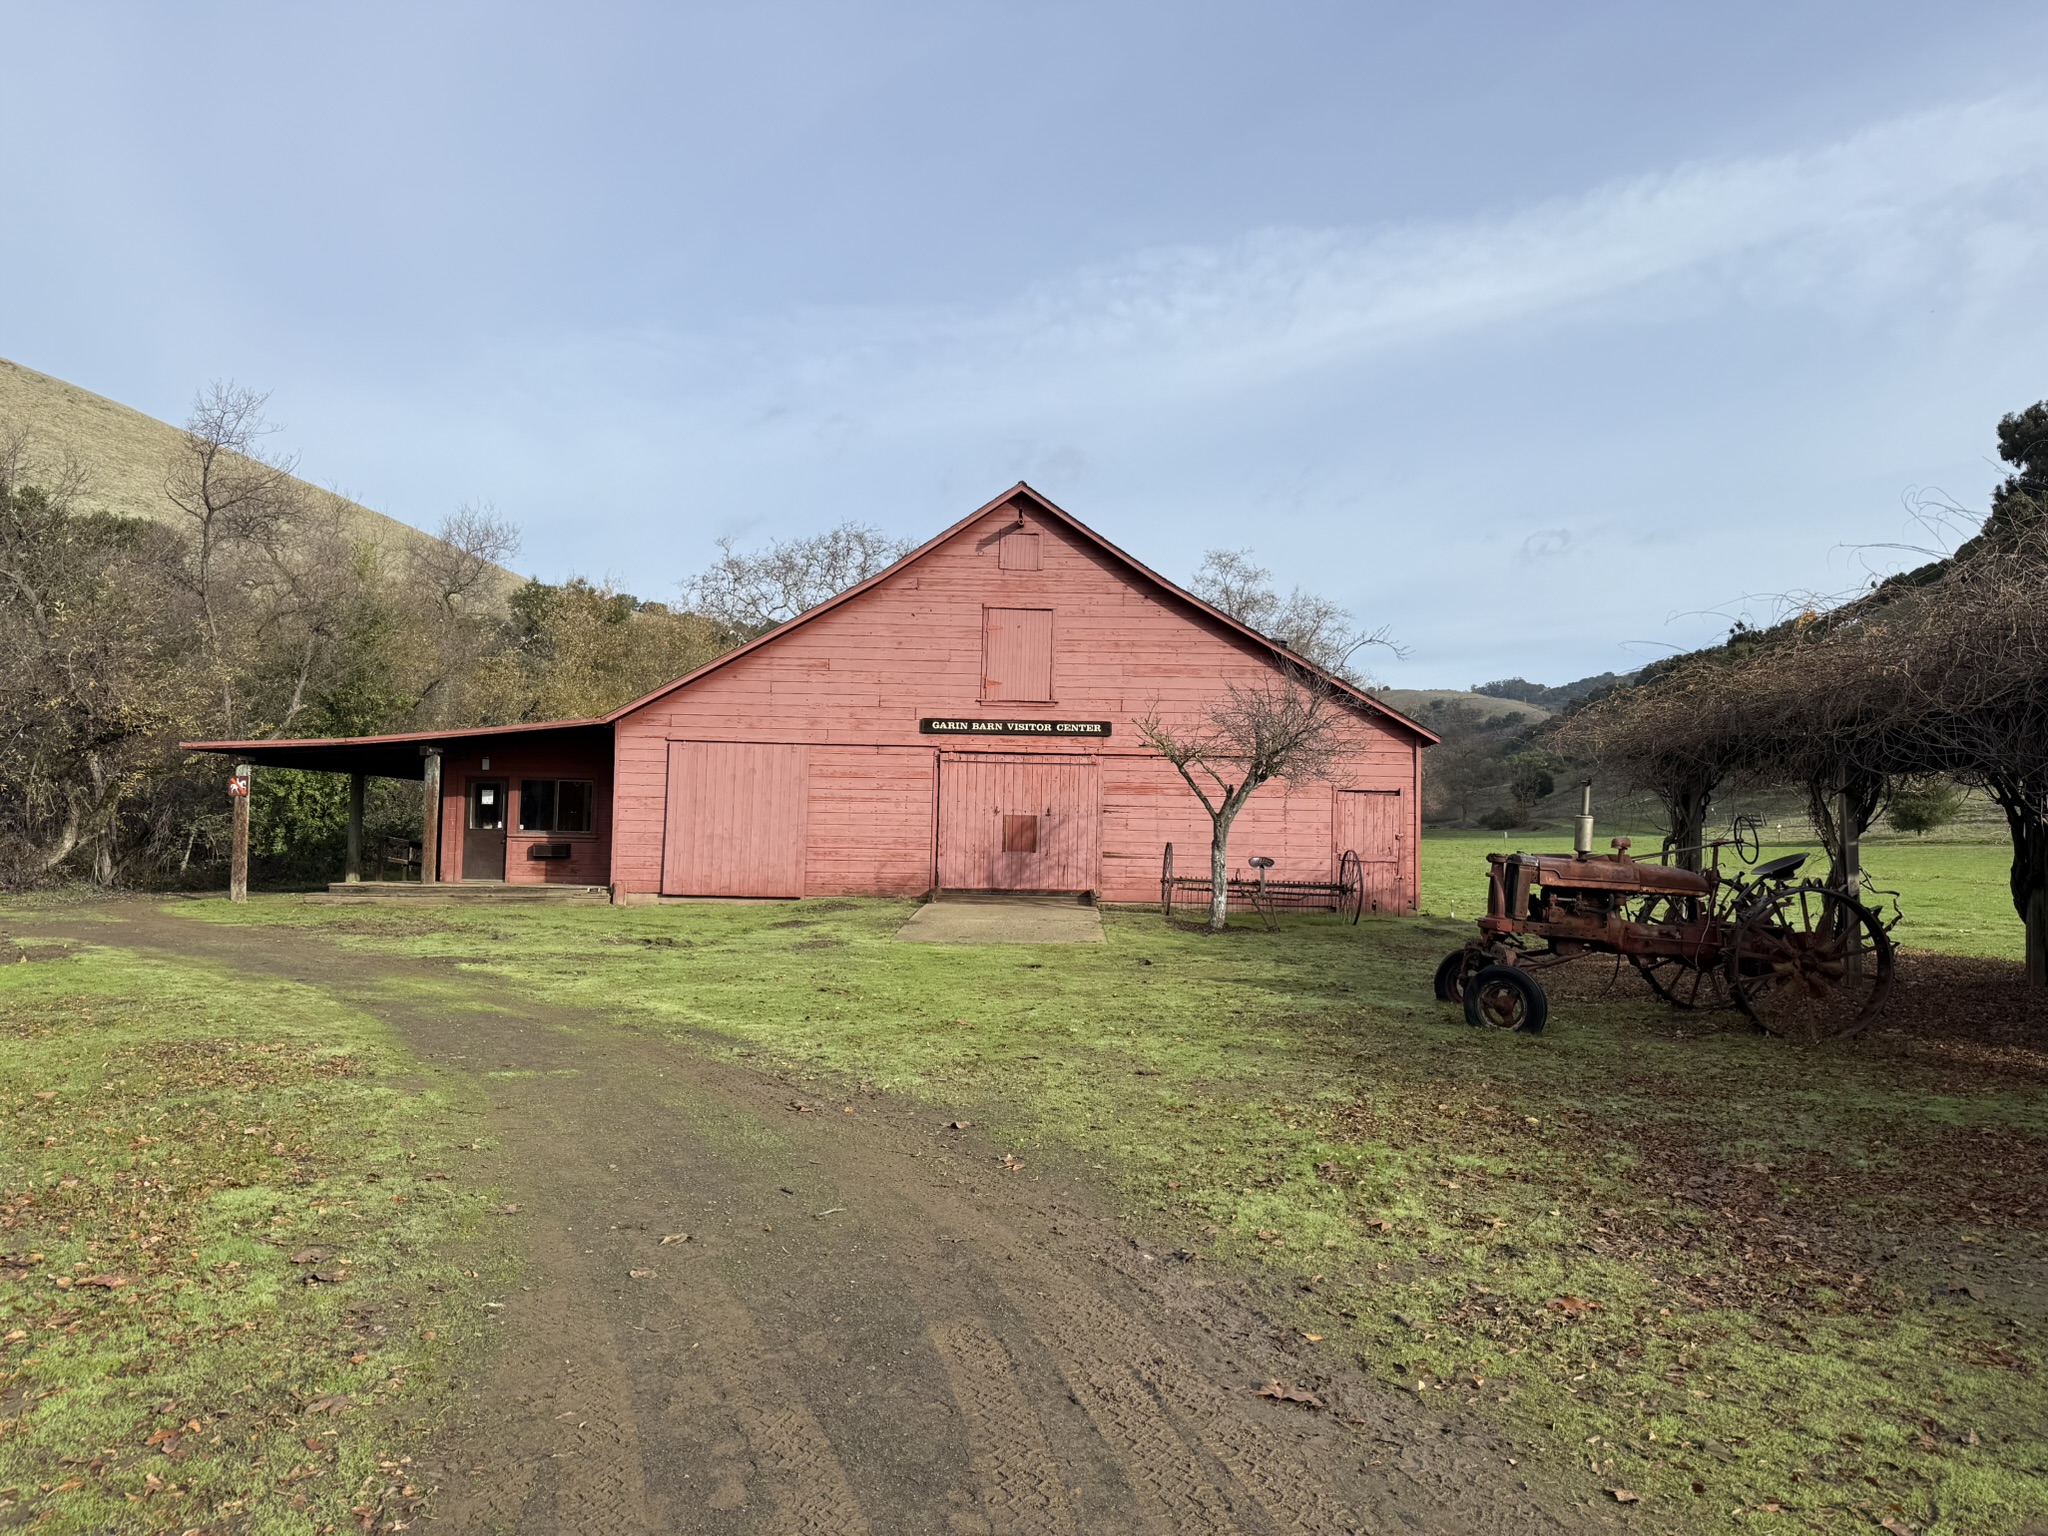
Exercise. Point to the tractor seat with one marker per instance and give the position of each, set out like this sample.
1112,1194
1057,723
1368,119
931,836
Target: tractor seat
1777,869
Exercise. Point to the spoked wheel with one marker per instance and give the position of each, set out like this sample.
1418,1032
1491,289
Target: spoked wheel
1810,964
1681,984
1503,997
1451,974
1679,979
1350,886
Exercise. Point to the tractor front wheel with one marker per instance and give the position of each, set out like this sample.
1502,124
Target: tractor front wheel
1503,997
1453,971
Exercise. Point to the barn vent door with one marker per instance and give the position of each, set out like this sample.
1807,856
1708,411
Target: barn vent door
736,819
1373,822
1019,823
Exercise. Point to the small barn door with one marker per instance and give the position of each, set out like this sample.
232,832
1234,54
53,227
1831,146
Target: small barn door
1019,823
735,823
1372,823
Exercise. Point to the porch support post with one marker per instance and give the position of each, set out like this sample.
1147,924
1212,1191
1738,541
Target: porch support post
238,848
430,818
352,870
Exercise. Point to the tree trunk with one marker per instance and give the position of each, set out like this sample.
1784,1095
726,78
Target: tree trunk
1686,808
2029,879
1838,801
1219,862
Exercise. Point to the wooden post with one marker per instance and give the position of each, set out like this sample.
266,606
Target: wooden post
1852,871
238,855
352,870
430,817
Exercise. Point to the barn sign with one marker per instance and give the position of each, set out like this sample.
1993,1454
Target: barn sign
933,727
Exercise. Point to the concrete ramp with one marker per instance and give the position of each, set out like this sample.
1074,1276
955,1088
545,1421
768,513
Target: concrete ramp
1003,920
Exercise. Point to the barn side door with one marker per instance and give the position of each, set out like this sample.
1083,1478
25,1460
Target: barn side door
1372,823
1019,823
736,819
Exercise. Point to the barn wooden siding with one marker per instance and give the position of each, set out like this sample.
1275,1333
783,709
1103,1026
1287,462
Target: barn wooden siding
514,759
850,685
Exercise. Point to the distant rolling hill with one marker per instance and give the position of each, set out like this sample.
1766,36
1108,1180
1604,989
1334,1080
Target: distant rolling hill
1413,701
124,454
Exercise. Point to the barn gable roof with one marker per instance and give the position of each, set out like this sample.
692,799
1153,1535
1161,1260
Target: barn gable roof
1056,514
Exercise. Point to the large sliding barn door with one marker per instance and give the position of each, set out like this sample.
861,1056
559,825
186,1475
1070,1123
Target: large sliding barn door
1372,823
1019,823
736,819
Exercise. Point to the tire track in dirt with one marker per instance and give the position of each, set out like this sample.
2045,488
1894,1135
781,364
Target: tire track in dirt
1022,1493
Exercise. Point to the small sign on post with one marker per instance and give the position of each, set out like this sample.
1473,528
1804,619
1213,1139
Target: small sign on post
238,856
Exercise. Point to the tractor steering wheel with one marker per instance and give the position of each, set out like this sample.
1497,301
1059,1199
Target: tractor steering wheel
1747,834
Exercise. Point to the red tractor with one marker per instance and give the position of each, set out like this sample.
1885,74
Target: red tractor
1798,957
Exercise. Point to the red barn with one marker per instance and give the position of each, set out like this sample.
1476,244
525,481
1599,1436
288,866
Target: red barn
961,721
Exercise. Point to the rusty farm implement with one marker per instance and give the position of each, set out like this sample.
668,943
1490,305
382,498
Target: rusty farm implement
1799,958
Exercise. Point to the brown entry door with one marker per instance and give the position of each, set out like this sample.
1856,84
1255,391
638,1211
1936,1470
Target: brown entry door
1019,823
1371,823
483,837
736,824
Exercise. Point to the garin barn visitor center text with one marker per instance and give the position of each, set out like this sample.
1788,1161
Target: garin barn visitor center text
959,722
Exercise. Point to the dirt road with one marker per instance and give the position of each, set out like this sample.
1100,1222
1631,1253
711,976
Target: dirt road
741,1316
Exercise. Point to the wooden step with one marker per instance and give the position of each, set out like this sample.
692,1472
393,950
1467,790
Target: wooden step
468,893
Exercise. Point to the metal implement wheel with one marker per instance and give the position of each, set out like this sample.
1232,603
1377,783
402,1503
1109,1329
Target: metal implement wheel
1503,997
1808,963
1350,886
1453,971
1166,883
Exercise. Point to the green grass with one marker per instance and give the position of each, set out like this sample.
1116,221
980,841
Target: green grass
1684,1261
1953,895
170,1136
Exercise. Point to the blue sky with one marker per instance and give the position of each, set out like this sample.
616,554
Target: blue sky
1551,341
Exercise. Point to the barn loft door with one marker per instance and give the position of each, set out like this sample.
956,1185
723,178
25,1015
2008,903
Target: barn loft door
735,823
1371,823
1019,823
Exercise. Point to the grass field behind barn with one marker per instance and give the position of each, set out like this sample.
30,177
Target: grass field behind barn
1760,1287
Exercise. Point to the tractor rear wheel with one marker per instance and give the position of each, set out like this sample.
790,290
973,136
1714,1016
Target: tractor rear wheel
1504,997
1808,963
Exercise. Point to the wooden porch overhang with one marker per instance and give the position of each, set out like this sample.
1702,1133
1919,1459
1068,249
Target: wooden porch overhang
402,756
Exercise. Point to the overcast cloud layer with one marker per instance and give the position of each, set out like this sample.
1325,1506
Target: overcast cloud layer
1549,388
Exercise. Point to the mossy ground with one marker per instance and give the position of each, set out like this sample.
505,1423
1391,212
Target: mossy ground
174,1139
1759,1287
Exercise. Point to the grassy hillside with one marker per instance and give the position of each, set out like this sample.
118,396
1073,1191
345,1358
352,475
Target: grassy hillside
1411,701
124,453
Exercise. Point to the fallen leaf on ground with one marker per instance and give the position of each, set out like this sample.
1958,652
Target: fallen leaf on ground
309,1256
1572,1306
1011,1162
847,1110
958,1125
1897,1527
675,1237
801,1108
325,1276
105,1282
1268,1235
1623,1496
1281,1392
1313,1338
328,1402
641,1274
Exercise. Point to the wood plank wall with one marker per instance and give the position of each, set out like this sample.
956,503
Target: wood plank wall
853,683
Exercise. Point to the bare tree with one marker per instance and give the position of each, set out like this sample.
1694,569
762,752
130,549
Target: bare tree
1320,631
749,594
234,496
470,545
1292,727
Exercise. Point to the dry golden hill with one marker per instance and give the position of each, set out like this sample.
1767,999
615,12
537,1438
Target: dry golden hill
124,454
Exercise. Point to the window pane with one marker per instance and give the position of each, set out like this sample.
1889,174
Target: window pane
486,805
536,805
572,806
